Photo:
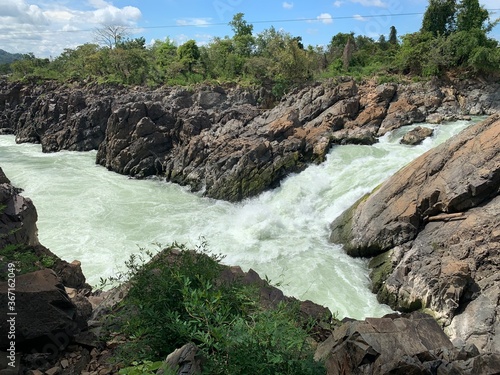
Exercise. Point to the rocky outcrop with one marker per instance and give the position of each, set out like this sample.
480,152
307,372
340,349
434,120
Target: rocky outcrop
408,344
17,216
416,136
219,140
45,315
434,227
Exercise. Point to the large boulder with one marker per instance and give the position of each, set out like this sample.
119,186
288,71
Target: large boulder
434,229
17,216
412,344
456,176
44,314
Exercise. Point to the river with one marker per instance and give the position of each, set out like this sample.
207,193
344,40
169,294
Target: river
98,217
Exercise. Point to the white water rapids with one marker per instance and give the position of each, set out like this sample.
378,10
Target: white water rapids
99,217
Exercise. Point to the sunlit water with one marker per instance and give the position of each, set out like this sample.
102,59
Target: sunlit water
100,218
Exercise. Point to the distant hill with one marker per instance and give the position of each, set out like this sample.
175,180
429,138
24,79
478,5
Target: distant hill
6,57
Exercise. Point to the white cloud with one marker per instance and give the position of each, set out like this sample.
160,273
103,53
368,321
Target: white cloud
287,5
47,28
194,22
338,4
325,18
358,17
371,3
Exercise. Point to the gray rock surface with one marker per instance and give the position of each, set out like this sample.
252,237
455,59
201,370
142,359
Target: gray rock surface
409,344
435,228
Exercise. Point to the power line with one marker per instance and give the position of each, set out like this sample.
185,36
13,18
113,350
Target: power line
183,25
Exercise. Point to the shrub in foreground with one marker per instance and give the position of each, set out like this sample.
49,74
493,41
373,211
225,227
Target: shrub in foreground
179,297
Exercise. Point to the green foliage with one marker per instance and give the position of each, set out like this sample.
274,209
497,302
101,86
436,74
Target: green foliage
180,297
145,367
421,54
240,26
393,36
188,54
453,37
24,259
439,17
471,15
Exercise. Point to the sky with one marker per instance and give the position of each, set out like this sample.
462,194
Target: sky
47,27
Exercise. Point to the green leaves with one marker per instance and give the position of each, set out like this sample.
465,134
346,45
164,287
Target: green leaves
180,297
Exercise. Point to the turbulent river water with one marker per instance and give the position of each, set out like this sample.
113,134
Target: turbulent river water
98,217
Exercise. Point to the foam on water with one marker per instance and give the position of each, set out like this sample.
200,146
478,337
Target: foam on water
100,218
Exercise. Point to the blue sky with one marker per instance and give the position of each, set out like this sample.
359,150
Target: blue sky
46,27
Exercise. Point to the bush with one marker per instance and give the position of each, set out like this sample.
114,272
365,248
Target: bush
179,297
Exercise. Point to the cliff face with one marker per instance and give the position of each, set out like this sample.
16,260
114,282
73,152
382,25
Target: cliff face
436,230
17,216
221,140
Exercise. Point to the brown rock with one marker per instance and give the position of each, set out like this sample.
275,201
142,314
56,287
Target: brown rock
389,345
416,136
452,178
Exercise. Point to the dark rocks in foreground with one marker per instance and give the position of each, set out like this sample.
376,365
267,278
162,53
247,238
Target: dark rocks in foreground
408,344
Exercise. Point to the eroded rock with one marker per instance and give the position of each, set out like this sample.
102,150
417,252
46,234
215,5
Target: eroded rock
408,344
218,140
436,224
417,135
45,316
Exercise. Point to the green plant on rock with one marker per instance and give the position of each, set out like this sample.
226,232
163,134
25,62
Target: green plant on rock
180,297
146,367
25,260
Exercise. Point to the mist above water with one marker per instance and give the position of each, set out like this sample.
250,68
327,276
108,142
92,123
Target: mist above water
98,217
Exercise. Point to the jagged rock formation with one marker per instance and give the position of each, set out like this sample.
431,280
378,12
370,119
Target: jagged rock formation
408,344
435,227
219,140
17,216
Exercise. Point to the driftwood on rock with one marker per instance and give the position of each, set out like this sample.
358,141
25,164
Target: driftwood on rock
446,217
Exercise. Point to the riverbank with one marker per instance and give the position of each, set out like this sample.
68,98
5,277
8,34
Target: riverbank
222,141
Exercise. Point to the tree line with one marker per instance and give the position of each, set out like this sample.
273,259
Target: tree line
453,37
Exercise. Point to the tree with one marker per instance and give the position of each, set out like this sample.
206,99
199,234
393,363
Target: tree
137,43
393,36
439,17
471,15
240,26
188,54
110,35
243,39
